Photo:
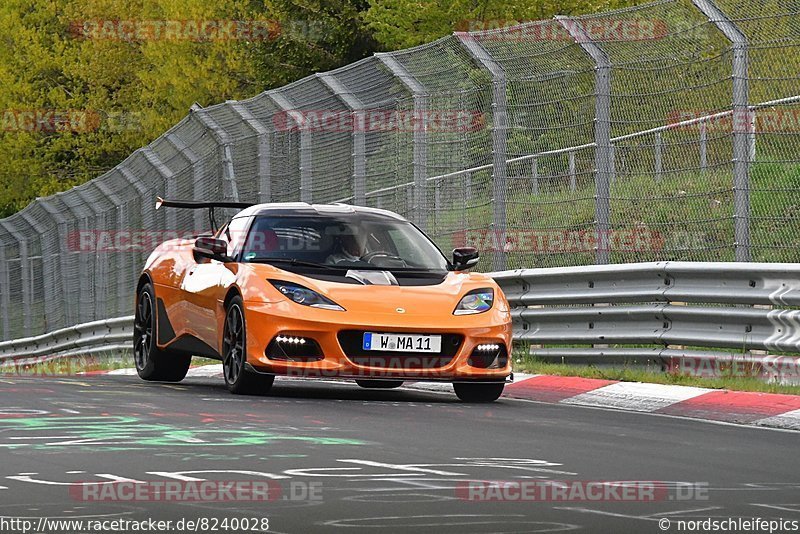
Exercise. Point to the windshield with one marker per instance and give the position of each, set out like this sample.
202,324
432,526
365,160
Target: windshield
346,241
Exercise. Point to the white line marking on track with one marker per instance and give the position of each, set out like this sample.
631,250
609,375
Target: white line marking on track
776,507
708,509
601,512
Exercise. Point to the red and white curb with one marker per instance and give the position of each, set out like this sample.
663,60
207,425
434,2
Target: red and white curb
742,407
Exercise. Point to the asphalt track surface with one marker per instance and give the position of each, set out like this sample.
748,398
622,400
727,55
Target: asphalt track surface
375,461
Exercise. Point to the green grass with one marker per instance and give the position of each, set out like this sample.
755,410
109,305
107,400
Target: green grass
81,364
689,215
69,366
525,363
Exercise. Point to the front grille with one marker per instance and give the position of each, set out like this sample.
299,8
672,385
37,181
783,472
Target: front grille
351,343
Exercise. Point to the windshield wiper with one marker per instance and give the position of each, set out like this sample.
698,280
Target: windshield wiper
295,261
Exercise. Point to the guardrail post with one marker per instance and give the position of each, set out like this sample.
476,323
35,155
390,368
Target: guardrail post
264,150
741,117
306,172
229,188
359,135
24,269
419,206
604,157
196,164
499,139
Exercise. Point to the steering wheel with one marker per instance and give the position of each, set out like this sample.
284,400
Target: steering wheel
369,256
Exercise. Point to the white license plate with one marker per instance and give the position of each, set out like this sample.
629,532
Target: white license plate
402,342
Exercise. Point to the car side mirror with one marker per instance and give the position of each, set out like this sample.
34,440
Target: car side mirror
465,258
212,248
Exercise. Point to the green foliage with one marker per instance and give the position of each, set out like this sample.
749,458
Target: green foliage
406,23
122,93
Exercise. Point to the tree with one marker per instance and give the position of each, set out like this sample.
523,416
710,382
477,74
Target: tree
85,83
399,24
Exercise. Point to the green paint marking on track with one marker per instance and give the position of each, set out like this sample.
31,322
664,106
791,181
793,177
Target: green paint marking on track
115,433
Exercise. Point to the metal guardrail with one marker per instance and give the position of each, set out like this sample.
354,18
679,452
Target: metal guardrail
96,336
742,306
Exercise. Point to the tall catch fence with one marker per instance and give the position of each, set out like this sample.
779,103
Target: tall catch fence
669,131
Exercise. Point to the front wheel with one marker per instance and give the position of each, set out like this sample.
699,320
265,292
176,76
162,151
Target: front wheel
234,354
479,392
153,363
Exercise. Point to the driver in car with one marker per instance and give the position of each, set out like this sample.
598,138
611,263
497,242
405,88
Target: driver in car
350,249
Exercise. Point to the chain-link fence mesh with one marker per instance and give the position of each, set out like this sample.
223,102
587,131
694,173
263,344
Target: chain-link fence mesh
668,131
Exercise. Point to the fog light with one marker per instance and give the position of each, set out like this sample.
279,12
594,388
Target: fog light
293,348
489,356
292,340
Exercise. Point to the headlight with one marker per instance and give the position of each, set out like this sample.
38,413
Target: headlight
476,301
303,295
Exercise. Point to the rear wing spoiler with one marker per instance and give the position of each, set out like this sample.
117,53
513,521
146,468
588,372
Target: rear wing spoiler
202,204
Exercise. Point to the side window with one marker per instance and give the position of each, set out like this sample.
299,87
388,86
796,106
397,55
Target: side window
234,234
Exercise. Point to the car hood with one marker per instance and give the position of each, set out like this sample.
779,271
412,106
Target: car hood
422,300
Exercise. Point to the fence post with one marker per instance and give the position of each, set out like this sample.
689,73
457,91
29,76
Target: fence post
420,136
24,269
657,156
572,176
229,189
100,269
264,150
535,176
169,184
306,172
703,146
63,258
499,139
47,271
196,163
741,136
604,157
356,108
147,205
125,281
5,285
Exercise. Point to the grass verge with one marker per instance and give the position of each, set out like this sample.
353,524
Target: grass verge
77,365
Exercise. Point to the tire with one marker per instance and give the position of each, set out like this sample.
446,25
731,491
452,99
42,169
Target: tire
239,380
379,384
152,363
479,392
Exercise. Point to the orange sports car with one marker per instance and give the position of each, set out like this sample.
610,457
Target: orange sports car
321,291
